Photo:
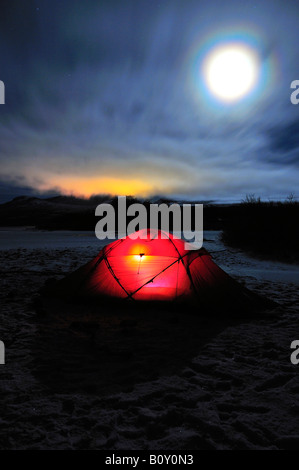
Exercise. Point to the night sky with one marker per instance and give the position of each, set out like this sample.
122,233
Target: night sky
109,97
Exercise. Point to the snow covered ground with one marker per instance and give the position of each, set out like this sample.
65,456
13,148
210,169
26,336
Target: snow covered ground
78,377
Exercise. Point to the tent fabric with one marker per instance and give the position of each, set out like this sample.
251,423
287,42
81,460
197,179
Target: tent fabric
153,266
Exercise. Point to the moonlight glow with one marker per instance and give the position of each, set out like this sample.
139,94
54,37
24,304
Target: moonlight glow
231,71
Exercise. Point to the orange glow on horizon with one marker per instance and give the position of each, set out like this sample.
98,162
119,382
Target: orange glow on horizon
86,187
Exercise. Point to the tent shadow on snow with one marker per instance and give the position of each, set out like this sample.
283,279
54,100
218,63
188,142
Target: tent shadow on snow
88,348
141,309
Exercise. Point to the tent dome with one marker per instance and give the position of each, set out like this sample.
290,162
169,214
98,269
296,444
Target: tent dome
153,266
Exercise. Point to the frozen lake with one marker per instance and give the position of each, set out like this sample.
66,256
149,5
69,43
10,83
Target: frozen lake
53,240
234,261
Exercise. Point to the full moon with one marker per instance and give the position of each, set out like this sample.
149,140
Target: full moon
231,71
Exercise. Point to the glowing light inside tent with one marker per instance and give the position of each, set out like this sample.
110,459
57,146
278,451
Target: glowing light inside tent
140,258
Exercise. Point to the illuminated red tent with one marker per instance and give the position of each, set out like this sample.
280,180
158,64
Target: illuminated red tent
154,266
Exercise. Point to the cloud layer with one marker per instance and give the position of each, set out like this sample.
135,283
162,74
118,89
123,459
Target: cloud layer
101,98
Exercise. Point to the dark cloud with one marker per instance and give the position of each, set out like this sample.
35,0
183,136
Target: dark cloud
105,88
284,138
